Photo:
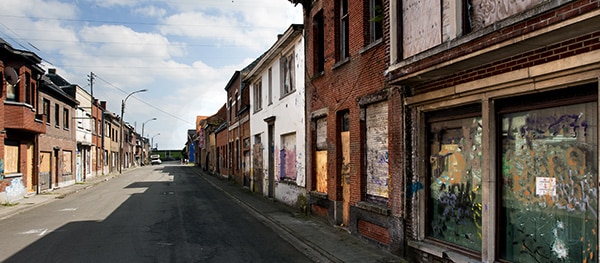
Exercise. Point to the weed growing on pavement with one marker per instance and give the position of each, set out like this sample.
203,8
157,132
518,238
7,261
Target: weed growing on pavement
9,203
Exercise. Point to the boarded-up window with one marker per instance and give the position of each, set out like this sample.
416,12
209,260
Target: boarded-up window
321,155
288,157
11,154
45,167
321,133
67,162
377,151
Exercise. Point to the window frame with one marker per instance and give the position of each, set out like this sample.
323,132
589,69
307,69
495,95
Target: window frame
375,21
454,114
343,38
56,115
318,43
492,109
257,92
66,114
46,109
287,69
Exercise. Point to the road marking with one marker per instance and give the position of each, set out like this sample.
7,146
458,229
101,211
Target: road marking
68,209
39,232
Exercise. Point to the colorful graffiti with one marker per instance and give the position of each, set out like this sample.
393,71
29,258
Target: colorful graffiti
455,183
550,175
15,190
377,174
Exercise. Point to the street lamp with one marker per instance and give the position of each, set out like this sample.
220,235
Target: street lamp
143,144
122,159
152,140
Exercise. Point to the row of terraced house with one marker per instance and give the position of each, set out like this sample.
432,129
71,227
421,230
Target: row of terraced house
442,131
55,133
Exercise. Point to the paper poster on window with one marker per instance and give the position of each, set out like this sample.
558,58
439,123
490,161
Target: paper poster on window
545,186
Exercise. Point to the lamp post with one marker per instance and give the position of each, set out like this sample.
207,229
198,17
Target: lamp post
121,152
143,144
152,140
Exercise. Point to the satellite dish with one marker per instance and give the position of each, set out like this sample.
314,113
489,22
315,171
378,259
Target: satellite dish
10,74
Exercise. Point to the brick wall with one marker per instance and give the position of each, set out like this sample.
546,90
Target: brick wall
339,88
373,231
552,17
561,50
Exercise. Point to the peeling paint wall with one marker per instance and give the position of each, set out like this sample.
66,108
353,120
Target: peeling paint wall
377,150
288,158
288,193
257,167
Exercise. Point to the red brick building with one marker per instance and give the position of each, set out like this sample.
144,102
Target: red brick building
501,120
57,147
21,121
354,131
207,142
221,146
238,125
99,160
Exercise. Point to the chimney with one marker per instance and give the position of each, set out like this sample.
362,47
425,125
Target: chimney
103,105
52,71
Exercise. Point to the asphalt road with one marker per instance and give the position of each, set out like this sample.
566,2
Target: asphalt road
154,214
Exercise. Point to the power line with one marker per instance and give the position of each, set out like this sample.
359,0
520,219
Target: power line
147,104
131,23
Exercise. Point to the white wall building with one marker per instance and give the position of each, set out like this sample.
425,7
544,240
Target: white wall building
83,134
277,122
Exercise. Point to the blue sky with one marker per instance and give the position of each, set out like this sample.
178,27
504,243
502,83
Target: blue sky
183,51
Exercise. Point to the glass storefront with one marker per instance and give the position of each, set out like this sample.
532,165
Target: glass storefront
549,168
455,192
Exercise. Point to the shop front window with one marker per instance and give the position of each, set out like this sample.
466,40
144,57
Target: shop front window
455,176
549,166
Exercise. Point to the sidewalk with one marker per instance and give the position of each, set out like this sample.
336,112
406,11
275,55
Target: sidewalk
312,235
36,200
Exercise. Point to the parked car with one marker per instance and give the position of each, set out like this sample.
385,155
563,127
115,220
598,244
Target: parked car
155,159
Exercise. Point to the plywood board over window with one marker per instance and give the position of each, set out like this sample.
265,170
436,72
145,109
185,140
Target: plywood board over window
321,155
11,162
67,162
377,151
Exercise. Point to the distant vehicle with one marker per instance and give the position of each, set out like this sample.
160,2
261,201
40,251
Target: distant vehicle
155,159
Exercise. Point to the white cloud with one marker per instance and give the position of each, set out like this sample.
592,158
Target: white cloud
150,11
170,48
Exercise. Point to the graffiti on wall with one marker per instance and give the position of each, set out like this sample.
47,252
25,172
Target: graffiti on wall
15,190
377,150
550,173
455,190
487,12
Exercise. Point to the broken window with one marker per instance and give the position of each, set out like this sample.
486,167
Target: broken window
455,194
549,184
287,74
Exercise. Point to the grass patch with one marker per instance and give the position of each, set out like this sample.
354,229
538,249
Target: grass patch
9,204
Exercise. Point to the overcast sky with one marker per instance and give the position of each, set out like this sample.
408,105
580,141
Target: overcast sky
183,51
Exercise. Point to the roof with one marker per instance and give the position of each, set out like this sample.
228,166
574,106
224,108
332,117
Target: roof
287,38
57,92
